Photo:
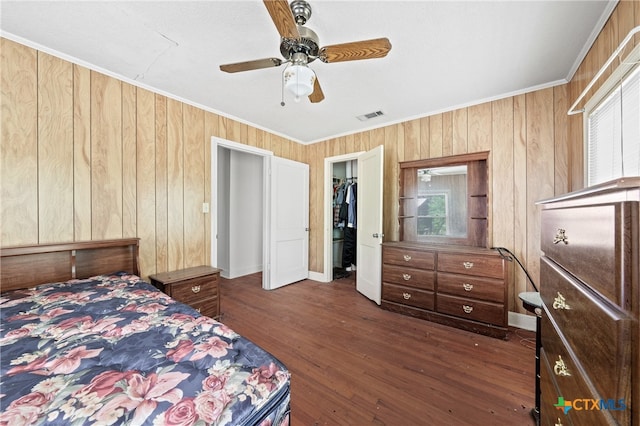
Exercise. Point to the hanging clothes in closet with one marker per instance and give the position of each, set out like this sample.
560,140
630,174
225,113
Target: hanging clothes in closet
347,217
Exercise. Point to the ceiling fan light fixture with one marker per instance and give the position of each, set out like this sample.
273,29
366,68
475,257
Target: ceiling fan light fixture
299,80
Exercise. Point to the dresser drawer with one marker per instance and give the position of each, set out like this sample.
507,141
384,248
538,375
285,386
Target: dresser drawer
598,333
551,414
473,287
492,313
408,296
471,264
195,290
408,276
407,257
586,242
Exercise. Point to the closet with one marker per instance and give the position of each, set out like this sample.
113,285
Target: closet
344,208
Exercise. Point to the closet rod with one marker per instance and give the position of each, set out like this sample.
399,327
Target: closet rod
622,45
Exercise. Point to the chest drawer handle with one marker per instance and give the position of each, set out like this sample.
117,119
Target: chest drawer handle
560,302
406,277
560,237
406,296
467,286
558,423
195,289
560,368
467,265
407,257
467,309
198,310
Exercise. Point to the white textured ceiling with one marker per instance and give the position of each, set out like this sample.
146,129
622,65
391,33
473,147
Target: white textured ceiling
445,55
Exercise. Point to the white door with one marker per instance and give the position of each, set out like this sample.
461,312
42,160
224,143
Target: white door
369,223
288,259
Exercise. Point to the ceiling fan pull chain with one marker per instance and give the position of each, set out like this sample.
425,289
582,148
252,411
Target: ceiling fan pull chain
282,87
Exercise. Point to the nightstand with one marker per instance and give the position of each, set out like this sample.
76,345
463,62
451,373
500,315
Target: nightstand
196,286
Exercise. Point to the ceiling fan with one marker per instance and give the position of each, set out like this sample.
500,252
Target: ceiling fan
299,46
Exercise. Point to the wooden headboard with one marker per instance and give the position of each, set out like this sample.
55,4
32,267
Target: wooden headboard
27,266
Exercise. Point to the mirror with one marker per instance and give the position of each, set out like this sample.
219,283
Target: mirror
442,201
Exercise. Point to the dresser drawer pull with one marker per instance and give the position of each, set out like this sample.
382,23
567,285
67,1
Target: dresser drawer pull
198,310
407,257
195,289
558,423
560,368
467,309
560,237
406,296
560,302
467,265
406,277
467,286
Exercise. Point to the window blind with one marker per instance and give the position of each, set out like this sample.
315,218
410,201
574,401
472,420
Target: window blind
613,139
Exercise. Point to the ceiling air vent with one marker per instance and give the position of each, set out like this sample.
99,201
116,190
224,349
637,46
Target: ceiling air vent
369,116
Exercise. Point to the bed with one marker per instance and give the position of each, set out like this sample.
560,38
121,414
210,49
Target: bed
84,340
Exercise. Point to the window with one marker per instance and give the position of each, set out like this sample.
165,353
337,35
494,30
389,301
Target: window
613,133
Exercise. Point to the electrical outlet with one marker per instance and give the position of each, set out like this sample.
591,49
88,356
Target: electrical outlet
205,207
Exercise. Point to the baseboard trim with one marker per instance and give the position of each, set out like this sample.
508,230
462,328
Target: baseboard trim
526,322
317,276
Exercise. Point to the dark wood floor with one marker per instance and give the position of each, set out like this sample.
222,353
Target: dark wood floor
353,363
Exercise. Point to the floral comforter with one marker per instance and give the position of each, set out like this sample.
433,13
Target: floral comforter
113,349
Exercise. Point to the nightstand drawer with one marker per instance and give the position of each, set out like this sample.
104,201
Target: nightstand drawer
197,286
207,307
195,290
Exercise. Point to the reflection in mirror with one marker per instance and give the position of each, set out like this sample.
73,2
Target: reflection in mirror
442,201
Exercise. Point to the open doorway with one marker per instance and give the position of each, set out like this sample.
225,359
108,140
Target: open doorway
340,238
239,225
271,193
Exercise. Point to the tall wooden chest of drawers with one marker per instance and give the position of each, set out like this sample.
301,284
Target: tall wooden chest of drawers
589,287
465,287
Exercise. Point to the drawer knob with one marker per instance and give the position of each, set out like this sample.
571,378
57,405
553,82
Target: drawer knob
406,296
467,265
467,309
558,423
560,302
198,310
406,277
560,237
195,289
467,286
407,257
560,369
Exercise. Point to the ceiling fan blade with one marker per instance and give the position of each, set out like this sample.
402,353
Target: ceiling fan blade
317,95
251,65
282,18
365,49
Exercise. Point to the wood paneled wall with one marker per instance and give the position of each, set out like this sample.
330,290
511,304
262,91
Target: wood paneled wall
536,153
85,156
